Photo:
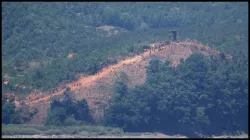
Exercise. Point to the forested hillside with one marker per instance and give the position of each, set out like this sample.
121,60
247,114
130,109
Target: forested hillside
48,44
38,37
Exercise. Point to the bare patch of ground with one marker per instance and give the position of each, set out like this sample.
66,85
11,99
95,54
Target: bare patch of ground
105,28
110,30
6,82
70,55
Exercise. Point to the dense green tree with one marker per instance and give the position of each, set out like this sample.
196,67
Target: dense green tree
65,110
9,113
83,112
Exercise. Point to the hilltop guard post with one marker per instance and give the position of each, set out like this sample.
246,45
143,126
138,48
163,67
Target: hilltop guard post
172,38
173,35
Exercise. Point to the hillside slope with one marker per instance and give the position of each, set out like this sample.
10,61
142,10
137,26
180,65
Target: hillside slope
98,89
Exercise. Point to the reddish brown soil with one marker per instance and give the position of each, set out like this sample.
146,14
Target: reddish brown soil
71,55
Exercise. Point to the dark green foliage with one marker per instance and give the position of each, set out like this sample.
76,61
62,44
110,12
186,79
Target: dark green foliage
66,111
82,110
56,117
191,98
145,46
9,113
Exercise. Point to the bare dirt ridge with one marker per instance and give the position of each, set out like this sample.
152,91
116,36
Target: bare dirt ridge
98,90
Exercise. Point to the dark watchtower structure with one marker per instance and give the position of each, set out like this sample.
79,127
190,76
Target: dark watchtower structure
173,35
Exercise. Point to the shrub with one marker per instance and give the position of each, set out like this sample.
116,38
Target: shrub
145,47
71,121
